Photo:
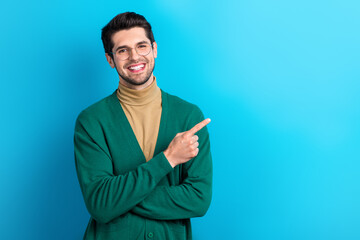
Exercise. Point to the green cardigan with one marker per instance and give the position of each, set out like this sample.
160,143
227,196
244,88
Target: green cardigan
127,197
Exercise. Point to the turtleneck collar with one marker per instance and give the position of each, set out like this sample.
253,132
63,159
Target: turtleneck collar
138,97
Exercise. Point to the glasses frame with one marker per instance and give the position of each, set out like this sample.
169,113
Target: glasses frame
130,48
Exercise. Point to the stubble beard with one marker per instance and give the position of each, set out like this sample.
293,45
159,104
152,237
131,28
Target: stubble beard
132,81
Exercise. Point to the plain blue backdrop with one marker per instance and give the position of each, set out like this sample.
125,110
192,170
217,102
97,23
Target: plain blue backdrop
279,79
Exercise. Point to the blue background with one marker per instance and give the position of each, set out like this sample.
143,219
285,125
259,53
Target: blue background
280,80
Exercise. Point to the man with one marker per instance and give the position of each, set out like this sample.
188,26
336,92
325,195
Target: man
142,155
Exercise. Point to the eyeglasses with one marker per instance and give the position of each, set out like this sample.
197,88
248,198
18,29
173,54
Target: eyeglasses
142,49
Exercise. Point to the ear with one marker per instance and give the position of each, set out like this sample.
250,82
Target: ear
110,60
154,49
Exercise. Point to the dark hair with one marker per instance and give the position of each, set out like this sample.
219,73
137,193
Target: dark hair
124,21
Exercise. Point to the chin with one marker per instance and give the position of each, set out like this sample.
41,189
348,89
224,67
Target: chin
135,82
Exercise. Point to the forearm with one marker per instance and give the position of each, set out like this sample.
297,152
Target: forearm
175,202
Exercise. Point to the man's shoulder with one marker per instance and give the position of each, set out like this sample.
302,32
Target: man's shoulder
97,110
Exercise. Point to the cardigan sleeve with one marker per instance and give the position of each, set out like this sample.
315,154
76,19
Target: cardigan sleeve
189,199
108,196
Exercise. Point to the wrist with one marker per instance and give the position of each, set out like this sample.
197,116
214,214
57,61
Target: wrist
169,158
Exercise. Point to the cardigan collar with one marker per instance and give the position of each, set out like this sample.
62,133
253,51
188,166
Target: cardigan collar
119,114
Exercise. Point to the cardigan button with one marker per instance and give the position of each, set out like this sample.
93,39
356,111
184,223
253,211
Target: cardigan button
150,235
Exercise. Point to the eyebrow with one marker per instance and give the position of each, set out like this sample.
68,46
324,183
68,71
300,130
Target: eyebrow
126,46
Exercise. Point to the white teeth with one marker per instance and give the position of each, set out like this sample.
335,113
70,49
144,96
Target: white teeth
138,67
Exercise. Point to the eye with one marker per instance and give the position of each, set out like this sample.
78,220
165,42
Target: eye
142,46
122,51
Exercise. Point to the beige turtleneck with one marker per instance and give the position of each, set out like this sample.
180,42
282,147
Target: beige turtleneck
143,111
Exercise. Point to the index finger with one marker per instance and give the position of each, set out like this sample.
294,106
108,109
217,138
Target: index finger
199,126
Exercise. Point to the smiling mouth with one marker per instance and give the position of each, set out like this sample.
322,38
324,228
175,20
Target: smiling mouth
137,67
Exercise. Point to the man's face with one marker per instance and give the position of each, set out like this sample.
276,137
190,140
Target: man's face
135,71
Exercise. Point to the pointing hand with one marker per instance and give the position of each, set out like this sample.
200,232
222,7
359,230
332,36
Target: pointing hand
184,146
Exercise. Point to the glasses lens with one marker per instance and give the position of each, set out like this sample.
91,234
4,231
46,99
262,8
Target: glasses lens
122,54
143,49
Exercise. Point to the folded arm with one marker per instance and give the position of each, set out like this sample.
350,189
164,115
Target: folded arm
192,197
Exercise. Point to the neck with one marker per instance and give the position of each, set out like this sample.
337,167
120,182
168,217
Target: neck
144,96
